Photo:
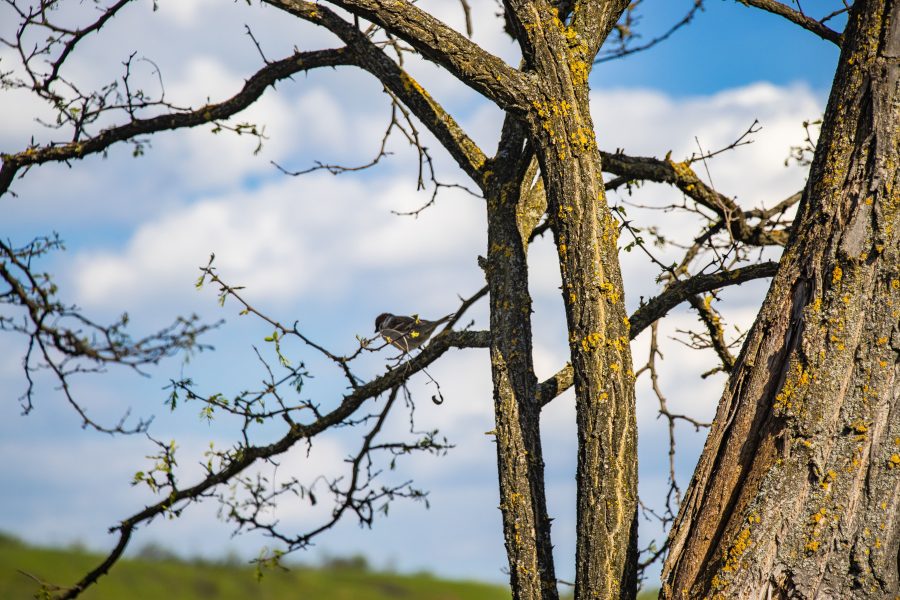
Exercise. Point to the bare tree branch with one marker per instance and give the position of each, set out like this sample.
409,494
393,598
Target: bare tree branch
65,342
297,433
251,91
682,176
368,56
472,65
657,308
808,23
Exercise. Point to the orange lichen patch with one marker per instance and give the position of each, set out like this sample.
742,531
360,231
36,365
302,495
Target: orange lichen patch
818,516
732,557
816,520
592,341
609,227
554,108
797,380
829,478
410,84
563,212
579,70
741,544
582,138
682,169
501,249
894,461
609,290
707,303
836,275
619,343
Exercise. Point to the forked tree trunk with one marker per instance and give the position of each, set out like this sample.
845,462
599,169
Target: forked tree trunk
561,134
797,492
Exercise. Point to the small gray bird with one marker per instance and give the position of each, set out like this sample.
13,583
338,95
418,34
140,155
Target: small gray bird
406,333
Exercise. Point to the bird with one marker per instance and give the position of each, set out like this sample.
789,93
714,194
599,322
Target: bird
406,333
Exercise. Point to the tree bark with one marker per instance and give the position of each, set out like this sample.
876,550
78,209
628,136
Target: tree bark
797,492
520,463
586,236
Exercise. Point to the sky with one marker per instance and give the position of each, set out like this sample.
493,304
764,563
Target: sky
330,253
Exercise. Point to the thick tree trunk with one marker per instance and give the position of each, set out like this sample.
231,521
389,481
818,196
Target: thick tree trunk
526,526
797,492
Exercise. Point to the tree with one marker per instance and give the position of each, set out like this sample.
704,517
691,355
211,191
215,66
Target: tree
547,163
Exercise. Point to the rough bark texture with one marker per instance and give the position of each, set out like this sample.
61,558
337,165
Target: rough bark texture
586,238
797,492
526,526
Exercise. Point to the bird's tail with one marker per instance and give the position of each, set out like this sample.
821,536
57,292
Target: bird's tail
445,319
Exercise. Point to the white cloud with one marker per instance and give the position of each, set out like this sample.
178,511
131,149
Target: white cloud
649,123
183,12
286,240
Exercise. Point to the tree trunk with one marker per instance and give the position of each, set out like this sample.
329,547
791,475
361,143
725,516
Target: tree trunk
586,236
797,492
526,525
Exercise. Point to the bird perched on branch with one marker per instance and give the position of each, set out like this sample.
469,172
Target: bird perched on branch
406,333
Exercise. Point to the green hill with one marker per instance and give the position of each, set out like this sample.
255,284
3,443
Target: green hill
172,579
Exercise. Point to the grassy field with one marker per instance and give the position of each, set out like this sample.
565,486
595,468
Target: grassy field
172,579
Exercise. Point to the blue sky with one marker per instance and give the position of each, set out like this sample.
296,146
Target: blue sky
328,252
727,45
